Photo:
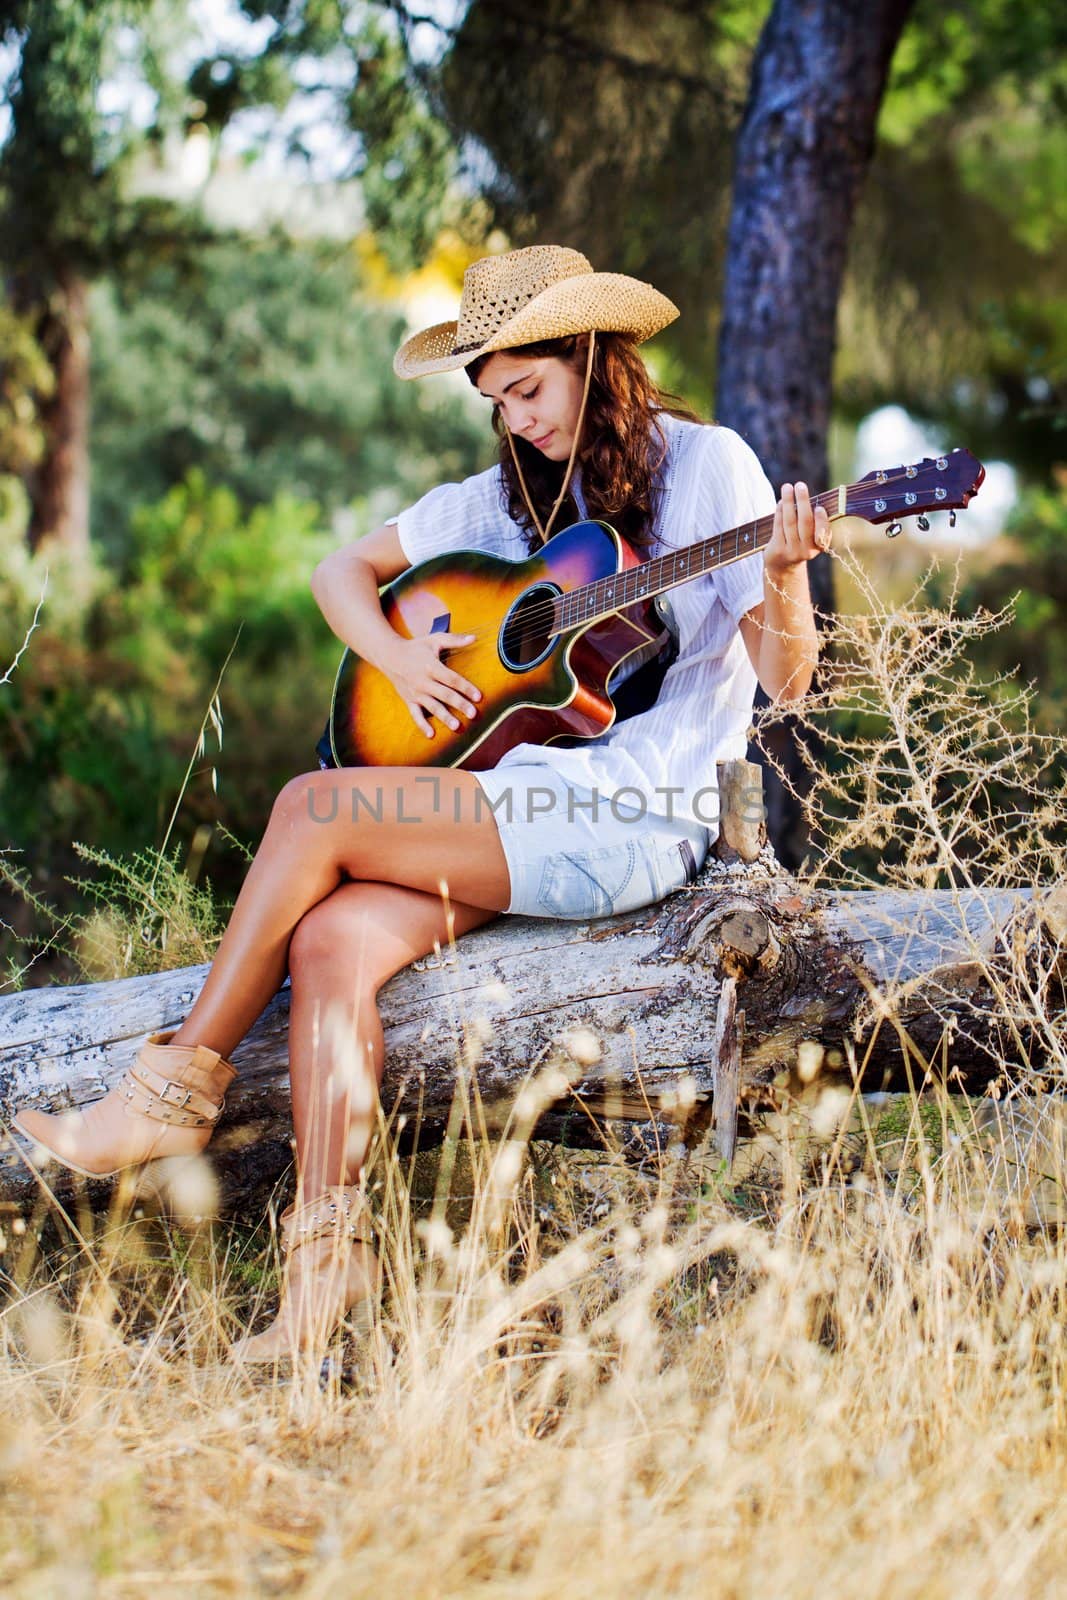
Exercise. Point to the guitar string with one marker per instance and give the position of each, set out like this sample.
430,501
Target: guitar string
554,617
541,613
538,618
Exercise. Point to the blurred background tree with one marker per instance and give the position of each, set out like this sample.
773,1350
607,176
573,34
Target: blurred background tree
263,363
614,125
348,159
71,217
243,419
65,220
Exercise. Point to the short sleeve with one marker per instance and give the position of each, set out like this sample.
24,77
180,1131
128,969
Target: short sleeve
456,516
734,489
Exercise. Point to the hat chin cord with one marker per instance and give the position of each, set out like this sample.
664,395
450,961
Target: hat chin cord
546,531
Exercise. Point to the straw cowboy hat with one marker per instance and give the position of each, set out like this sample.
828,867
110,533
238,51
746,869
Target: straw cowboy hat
546,291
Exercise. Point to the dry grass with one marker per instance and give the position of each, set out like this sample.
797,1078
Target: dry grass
845,1376
842,1375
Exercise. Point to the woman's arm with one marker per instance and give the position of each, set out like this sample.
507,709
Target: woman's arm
345,584
780,633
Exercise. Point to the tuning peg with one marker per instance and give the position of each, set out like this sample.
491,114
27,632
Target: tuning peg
924,524
893,529
952,519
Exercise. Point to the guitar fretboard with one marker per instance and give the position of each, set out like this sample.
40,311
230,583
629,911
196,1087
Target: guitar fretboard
594,601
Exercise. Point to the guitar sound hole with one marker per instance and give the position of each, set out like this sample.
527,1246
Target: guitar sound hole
526,634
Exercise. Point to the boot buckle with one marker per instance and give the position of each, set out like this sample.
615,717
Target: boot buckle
180,1096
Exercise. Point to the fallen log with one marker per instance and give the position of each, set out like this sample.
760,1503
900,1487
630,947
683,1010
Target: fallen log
674,1016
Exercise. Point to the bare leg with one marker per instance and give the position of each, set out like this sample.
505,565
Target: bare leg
417,827
424,828
341,953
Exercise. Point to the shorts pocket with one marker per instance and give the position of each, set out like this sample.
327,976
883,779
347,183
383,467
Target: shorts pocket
600,883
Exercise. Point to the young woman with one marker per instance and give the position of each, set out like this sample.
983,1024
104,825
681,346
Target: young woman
340,901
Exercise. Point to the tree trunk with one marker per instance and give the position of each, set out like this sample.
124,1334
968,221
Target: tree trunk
804,148
59,487
634,1019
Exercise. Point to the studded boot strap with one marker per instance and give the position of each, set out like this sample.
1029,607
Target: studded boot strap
338,1212
164,1100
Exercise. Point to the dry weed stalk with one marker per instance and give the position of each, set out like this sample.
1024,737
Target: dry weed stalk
937,769
856,1386
20,652
925,776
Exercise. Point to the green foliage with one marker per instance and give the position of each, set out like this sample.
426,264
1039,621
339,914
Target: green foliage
64,205
953,51
56,185
97,725
26,382
137,915
909,1120
955,296
608,126
264,365
408,159
224,85
201,568
66,217
233,406
563,108
397,144
1034,573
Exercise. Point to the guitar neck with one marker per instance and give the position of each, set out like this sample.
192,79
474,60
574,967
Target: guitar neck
595,601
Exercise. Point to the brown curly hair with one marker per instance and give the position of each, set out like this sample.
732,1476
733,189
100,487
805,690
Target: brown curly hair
618,454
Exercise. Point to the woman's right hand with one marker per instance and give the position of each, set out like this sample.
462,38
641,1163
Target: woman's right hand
427,686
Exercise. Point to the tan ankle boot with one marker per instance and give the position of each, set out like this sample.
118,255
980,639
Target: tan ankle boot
166,1104
328,1267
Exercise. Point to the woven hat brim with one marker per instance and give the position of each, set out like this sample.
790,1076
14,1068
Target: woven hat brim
610,302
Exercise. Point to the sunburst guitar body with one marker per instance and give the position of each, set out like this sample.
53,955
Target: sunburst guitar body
544,676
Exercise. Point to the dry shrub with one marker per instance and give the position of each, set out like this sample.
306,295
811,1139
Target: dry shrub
931,778
929,774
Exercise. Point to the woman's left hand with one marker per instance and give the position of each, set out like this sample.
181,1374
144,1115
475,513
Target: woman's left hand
800,532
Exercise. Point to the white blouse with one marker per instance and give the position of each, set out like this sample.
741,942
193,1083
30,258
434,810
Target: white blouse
663,759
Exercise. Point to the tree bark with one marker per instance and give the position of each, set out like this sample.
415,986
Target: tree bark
805,144
634,1019
59,487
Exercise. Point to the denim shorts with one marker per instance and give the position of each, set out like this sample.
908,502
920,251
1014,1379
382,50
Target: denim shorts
575,854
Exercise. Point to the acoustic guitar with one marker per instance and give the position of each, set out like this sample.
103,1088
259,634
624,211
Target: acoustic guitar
562,638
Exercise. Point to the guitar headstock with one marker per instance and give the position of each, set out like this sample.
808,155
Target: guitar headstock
938,483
